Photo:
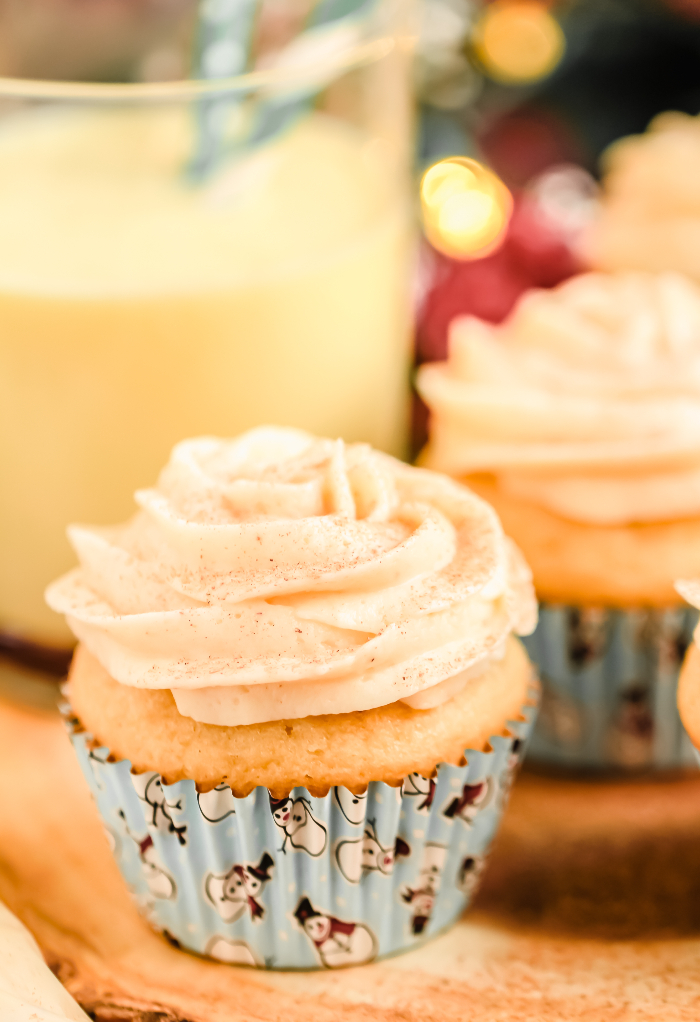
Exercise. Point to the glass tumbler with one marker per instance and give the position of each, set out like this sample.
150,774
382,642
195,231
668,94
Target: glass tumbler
193,257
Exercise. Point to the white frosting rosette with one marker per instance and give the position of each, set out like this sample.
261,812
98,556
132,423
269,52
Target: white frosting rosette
585,401
277,576
649,218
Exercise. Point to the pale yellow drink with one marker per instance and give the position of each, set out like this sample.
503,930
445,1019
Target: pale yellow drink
136,309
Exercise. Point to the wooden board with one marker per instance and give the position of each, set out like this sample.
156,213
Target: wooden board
590,911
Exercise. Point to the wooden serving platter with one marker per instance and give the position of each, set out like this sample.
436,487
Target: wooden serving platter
590,911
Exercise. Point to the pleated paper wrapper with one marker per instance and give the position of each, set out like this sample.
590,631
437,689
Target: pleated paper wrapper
304,882
609,681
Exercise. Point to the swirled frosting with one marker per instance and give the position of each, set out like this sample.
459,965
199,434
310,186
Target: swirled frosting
649,218
585,401
279,576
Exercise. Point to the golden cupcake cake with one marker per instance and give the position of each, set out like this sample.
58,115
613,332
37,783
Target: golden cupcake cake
579,420
298,697
649,215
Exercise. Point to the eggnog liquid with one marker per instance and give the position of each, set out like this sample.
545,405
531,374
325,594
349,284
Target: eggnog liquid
137,309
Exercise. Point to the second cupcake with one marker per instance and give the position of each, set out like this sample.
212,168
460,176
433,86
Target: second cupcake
579,420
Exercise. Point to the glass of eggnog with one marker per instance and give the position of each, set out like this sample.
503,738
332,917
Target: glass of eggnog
192,257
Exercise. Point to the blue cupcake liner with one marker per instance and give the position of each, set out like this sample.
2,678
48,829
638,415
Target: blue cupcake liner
609,680
304,882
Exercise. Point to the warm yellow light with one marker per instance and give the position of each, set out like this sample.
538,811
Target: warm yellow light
518,40
446,179
466,208
466,214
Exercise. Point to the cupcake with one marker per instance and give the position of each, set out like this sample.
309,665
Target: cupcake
649,218
579,420
297,696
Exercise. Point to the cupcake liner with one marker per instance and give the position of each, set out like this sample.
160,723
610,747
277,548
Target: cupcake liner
304,882
609,680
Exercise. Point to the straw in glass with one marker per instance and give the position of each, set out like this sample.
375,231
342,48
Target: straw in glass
224,43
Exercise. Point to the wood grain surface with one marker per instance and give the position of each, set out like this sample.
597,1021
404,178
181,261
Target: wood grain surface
590,911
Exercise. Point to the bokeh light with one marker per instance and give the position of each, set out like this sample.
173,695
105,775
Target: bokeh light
518,40
466,208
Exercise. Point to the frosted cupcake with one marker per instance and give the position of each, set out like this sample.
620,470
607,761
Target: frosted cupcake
579,420
297,695
649,218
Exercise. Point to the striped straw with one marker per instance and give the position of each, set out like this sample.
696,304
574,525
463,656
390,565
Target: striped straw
224,38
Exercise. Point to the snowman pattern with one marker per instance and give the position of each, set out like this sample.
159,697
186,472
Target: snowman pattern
159,882
561,718
237,891
353,807
421,788
356,857
97,758
336,942
233,952
112,840
631,731
296,821
470,873
672,638
507,776
473,798
149,789
218,804
421,897
586,635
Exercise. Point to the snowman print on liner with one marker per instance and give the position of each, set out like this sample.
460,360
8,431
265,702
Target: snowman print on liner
337,943
470,873
231,951
421,896
301,830
236,892
473,797
420,788
159,812
98,758
352,806
159,882
356,857
507,776
218,804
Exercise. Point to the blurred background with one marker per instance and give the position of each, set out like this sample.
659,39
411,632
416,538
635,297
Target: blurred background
524,86
538,91
527,94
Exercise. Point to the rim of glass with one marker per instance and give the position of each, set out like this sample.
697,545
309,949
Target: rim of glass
361,53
